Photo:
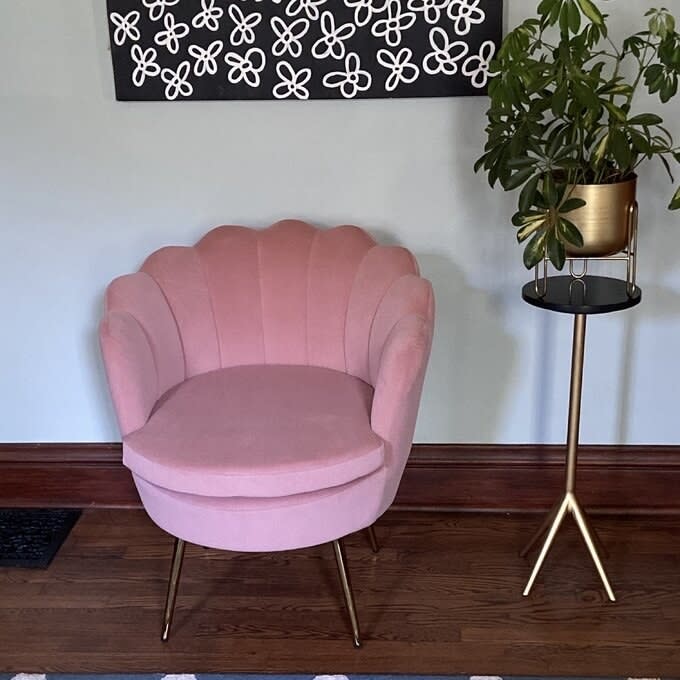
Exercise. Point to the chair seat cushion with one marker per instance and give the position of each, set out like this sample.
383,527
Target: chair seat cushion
258,431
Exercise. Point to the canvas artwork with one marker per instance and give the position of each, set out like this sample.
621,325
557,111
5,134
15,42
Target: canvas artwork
301,49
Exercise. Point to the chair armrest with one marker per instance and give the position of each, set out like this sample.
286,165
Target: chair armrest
130,369
141,348
400,381
408,313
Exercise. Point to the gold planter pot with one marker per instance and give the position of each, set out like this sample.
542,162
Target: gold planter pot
606,220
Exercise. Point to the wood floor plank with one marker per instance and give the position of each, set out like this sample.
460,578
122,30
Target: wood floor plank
444,595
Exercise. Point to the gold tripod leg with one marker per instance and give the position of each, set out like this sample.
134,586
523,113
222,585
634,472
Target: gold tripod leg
548,542
175,570
375,546
583,527
601,548
569,502
347,590
542,529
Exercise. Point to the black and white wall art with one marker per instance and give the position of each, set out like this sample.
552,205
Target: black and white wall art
301,49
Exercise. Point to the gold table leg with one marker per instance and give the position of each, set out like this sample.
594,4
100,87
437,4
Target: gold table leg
568,503
542,529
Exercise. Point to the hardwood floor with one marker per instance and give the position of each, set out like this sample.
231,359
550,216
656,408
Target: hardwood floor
442,596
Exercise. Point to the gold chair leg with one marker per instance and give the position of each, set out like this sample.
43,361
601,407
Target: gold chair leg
375,546
175,570
347,590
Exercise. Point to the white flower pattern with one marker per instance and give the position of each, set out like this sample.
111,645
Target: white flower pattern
145,64
350,81
465,13
402,69
170,37
243,31
332,40
288,37
209,16
394,24
301,49
126,27
206,57
365,9
445,53
157,7
292,82
247,68
309,7
432,9
176,83
476,67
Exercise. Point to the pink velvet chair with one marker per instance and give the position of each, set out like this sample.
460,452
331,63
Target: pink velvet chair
266,384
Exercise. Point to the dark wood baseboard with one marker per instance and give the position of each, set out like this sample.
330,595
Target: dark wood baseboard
65,475
461,477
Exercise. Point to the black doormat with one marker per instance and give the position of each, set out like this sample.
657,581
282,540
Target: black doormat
31,538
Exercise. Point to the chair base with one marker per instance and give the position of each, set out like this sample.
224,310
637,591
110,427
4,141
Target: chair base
340,559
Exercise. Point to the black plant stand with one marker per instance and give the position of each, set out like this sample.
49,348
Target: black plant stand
580,297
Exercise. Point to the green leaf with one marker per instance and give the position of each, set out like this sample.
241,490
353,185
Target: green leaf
617,112
574,17
528,193
529,228
666,165
645,119
568,151
615,88
668,90
549,189
601,150
675,201
620,149
555,143
518,179
539,201
555,250
641,143
569,232
654,77
670,23
546,6
554,13
572,204
558,103
564,19
521,162
569,164
535,250
592,12
586,96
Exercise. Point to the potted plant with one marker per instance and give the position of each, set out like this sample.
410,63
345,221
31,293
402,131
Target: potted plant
562,125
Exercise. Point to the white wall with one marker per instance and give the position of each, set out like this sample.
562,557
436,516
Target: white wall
89,185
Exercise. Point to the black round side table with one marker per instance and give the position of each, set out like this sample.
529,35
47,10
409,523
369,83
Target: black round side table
580,297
